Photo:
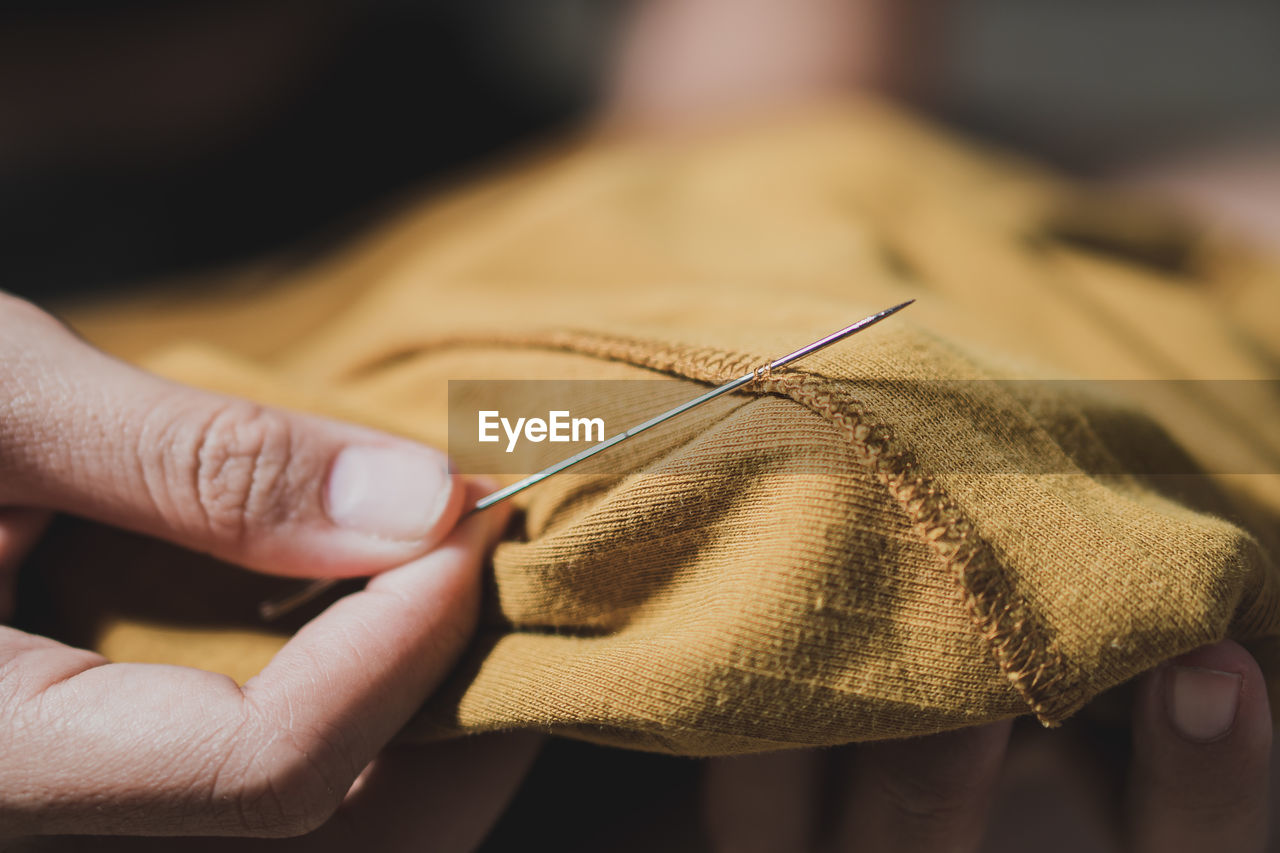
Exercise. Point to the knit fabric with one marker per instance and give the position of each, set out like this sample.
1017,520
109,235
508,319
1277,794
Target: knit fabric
853,550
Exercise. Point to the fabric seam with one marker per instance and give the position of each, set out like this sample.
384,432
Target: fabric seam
1015,637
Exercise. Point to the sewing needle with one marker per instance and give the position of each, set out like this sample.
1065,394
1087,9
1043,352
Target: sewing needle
272,609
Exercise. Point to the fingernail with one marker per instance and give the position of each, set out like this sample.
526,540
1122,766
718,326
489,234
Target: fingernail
388,493
1202,702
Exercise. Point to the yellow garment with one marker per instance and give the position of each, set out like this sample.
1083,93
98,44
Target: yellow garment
732,594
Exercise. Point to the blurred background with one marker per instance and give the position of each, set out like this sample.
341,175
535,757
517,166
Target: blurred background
157,137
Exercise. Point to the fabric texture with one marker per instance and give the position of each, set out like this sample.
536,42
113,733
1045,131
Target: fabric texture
855,550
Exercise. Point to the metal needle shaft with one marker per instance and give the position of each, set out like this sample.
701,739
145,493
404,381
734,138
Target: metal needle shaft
732,385
272,609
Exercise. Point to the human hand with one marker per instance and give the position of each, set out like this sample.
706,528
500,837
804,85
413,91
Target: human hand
93,747
1196,779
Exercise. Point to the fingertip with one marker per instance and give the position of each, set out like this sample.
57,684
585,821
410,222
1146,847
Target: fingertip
401,492
385,506
1202,738
465,548
390,644
1214,693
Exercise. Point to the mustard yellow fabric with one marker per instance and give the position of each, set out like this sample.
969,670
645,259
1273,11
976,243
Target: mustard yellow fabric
732,592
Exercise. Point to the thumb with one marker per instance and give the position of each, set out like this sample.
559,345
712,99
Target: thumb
267,489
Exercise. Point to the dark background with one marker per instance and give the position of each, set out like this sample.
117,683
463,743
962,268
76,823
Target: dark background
411,93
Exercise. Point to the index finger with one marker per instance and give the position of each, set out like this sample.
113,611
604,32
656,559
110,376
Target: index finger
148,749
